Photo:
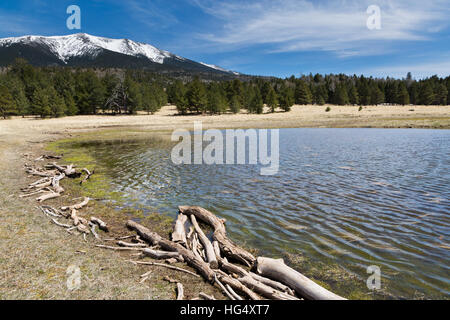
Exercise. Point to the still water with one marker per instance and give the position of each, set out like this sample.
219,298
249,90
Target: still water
350,197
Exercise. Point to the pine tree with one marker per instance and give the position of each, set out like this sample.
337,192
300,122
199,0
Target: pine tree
302,93
40,103
256,105
217,102
402,95
197,97
272,99
426,94
353,95
7,103
341,96
441,95
179,97
286,98
235,105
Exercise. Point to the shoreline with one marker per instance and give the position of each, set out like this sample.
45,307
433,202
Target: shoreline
24,227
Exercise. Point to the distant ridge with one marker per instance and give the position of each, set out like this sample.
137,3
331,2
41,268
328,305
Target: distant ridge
84,50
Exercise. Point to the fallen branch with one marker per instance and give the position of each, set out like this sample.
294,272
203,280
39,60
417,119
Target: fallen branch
102,225
209,250
158,254
180,291
155,239
88,175
306,288
77,206
179,232
226,245
148,263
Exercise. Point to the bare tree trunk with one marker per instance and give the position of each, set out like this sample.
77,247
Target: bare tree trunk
155,239
210,254
306,288
228,248
179,232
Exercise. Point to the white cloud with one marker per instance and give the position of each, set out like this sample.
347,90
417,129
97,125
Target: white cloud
337,26
418,70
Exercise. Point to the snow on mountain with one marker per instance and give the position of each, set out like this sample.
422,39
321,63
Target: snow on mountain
218,68
82,44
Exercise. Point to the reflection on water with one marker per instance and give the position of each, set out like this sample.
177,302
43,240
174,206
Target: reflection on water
355,197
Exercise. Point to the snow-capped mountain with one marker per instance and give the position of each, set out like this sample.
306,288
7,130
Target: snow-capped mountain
91,51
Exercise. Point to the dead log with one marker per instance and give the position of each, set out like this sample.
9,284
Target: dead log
236,285
277,270
233,293
228,248
180,291
155,239
102,225
148,263
158,254
265,290
216,250
274,284
93,225
88,175
131,245
209,250
205,296
227,293
179,232
69,171
118,248
48,196
77,206
55,183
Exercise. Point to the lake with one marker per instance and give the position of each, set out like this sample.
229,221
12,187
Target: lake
346,197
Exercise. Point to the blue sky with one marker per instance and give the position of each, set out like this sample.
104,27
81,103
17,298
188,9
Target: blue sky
265,37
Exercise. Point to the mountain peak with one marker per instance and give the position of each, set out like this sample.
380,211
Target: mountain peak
64,50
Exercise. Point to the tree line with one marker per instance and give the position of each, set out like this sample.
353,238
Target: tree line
55,92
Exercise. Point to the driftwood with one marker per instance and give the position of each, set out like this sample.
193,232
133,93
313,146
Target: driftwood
227,293
233,293
209,249
164,265
102,225
158,254
155,239
265,290
77,206
131,245
274,284
180,291
118,248
69,171
48,196
55,183
237,285
228,248
179,232
306,288
88,175
205,296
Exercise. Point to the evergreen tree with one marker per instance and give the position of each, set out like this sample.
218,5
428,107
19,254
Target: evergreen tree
341,96
7,103
180,97
302,93
256,105
353,95
235,105
40,103
403,95
197,97
272,99
286,98
441,95
426,94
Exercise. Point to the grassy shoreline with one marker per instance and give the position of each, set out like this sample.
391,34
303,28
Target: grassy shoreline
35,254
